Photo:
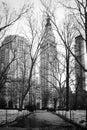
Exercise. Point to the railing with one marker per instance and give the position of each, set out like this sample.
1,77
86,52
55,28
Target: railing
7,116
78,116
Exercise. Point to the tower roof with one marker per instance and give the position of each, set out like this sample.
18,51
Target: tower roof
48,21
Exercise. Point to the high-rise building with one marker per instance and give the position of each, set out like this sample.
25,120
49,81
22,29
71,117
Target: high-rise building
18,70
79,72
14,45
48,65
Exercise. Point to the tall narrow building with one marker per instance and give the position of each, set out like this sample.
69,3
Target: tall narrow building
80,74
48,65
18,69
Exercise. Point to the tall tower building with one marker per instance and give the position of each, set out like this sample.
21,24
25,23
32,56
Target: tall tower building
80,74
18,45
48,65
4,56
18,70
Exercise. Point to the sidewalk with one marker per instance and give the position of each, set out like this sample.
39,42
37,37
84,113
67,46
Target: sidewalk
42,120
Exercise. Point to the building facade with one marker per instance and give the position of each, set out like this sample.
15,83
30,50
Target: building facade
18,71
48,65
79,72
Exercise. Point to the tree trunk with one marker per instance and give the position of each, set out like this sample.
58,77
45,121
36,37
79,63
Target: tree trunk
29,85
75,105
86,25
67,80
21,105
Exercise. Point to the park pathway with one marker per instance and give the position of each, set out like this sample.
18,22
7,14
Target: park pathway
41,120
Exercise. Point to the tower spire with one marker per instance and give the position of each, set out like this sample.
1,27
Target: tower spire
48,21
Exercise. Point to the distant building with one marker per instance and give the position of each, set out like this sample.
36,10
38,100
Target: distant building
48,65
79,72
14,45
35,90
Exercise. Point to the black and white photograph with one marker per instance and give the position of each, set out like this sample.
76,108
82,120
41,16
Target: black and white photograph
43,64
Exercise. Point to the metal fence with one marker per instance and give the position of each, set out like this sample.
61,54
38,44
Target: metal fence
7,116
78,116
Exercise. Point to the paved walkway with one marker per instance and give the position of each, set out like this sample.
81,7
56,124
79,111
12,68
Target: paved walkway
44,118
41,120
12,128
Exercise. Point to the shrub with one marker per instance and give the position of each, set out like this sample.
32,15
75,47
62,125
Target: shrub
3,103
10,104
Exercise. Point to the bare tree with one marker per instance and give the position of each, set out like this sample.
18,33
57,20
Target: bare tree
78,10
7,19
34,39
65,35
68,36
4,71
23,64
64,40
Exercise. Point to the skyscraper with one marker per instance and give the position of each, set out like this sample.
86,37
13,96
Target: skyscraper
18,70
79,72
48,65
14,44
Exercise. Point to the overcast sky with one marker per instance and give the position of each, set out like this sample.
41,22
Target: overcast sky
19,3
37,5
14,3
